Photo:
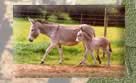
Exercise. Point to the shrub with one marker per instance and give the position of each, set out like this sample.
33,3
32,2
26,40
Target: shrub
52,18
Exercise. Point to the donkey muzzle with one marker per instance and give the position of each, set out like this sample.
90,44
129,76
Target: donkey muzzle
30,40
77,40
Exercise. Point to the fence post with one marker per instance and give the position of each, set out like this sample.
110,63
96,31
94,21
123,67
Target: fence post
81,18
118,2
105,22
33,2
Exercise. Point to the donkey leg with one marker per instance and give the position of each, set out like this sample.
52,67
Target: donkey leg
92,54
109,55
103,54
85,56
46,53
60,54
98,58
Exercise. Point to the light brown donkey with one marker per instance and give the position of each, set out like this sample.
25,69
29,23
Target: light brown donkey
91,44
59,35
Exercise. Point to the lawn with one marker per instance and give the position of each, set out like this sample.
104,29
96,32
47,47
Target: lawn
26,52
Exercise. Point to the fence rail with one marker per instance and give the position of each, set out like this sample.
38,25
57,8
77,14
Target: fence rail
113,19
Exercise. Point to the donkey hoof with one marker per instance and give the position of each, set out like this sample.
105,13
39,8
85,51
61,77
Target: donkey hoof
60,62
81,63
100,62
108,65
103,57
42,62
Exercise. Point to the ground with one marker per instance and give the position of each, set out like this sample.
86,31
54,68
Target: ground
30,70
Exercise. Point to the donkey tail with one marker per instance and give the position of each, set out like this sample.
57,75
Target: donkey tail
94,34
110,49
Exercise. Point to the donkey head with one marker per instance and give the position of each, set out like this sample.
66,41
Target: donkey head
83,36
34,30
79,36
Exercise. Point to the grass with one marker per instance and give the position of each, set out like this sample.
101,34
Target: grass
26,52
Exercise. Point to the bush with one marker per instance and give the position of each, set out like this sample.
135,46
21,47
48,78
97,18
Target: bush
61,17
52,18
64,16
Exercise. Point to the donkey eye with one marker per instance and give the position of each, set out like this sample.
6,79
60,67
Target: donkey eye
32,30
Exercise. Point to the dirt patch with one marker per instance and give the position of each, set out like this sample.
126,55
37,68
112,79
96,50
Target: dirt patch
28,70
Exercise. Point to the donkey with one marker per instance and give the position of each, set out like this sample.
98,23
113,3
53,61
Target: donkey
92,44
58,34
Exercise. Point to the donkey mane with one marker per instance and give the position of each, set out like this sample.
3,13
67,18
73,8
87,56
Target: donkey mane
43,21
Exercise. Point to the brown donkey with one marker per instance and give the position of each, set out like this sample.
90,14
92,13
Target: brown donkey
91,44
59,35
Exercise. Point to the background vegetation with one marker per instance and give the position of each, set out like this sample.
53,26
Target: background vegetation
87,14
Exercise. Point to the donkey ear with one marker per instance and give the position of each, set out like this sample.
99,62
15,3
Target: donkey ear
31,20
81,28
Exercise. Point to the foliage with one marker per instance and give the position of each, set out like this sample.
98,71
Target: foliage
61,17
52,18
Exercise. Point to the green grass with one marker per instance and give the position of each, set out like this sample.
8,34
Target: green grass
31,53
